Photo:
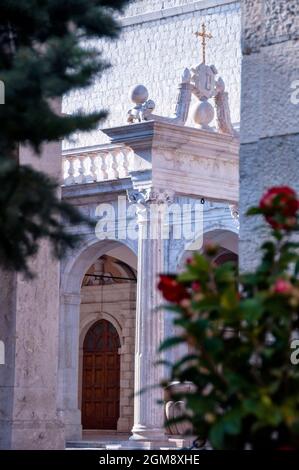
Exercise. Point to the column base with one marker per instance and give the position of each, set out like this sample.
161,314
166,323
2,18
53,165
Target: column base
144,433
34,435
72,424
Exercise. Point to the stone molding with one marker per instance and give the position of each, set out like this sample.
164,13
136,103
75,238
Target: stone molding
183,159
173,11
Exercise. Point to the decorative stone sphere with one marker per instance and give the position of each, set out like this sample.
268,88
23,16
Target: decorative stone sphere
203,114
139,94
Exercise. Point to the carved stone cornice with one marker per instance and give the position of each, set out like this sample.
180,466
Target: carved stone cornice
186,160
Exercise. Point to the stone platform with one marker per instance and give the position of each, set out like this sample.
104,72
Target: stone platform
120,441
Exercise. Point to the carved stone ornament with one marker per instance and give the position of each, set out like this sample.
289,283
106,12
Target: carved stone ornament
203,80
234,210
200,81
143,107
150,195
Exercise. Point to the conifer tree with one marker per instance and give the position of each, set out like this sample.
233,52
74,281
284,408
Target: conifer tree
47,49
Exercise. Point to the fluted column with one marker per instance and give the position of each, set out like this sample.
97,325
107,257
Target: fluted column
150,323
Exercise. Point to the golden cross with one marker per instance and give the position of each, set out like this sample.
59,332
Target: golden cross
202,34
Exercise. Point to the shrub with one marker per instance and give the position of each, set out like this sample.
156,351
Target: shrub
239,330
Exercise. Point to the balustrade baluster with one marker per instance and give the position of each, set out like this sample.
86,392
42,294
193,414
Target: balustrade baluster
94,167
70,179
81,178
103,166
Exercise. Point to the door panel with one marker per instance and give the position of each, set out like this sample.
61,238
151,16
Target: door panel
101,377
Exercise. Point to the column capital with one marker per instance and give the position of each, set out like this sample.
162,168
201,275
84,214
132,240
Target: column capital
148,195
150,202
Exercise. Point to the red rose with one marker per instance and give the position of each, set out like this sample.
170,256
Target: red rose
172,290
282,286
280,206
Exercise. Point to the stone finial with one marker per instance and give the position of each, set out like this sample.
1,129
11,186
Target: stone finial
143,107
222,109
203,115
139,94
186,77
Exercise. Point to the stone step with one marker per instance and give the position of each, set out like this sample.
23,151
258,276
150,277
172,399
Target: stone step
119,445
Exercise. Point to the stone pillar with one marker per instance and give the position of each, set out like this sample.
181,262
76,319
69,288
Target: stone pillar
28,381
7,370
150,323
126,352
269,110
68,385
29,324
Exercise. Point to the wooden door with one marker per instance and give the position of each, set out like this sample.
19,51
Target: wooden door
101,377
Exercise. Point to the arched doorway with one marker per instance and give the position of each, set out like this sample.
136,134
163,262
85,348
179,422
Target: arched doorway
101,377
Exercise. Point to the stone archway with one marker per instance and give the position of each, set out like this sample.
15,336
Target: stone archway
73,271
227,240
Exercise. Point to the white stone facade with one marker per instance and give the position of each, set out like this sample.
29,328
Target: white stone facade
157,43
171,166
150,163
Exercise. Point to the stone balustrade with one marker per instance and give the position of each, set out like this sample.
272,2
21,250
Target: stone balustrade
101,165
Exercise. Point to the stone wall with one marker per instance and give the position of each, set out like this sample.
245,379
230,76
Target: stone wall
269,109
136,7
155,47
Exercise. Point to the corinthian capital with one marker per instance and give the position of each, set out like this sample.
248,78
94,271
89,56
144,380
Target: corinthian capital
150,196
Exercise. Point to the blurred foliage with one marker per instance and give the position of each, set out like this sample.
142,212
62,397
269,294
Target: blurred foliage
238,329
48,48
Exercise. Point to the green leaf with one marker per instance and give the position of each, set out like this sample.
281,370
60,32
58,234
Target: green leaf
252,309
254,211
171,342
